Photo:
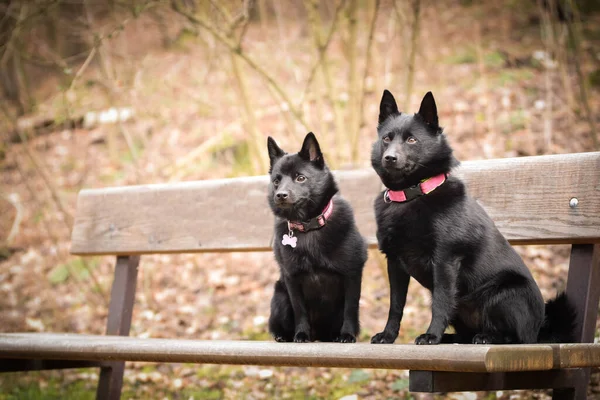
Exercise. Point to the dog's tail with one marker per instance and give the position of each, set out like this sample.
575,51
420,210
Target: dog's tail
559,321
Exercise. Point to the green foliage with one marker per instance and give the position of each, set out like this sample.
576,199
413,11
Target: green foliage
365,336
256,334
494,59
510,76
465,56
468,55
242,161
76,266
38,216
117,175
137,147
217,372
594,78
58,274
185,39
358,375
201,394
518,119
340,387
400,384
69,164
513,121
43,385
5,253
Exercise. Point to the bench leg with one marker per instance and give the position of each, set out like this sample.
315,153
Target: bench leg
583,289
122,297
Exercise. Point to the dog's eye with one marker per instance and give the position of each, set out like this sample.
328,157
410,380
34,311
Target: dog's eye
411,140
300,178
386,139
276,182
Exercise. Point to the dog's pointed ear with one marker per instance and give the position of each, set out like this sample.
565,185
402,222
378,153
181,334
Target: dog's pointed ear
387,106
311,151
275,152
428,111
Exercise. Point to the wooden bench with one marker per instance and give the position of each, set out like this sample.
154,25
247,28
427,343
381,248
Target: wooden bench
534,200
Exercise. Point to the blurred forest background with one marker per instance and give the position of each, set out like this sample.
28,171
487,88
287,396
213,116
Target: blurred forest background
106,93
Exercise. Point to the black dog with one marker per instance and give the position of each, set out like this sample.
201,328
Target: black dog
430,229
318,248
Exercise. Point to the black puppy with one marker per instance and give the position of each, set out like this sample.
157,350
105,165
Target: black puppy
318,248
430,229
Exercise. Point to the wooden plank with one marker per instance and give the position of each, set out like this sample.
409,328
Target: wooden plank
528,198
227,214
467,358
578,355
438,381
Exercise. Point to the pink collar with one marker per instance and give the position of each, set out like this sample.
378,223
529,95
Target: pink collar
425,187
315,223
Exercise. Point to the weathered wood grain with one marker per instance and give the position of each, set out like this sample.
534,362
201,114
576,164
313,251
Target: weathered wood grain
527,197
467,358
578,355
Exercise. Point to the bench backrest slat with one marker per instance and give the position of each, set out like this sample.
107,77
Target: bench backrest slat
527,197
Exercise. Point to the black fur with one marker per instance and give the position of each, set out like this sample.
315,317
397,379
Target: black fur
447,242
317,294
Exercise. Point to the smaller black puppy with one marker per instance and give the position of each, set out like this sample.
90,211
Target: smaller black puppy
430,229
318,248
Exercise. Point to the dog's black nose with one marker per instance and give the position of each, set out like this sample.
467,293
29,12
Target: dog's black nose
281,195
390,159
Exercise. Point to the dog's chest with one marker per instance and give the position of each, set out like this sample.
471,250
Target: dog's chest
404,228
306,257
405,233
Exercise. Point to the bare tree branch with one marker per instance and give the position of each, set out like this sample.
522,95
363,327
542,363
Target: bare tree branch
416,6
13,199
83,67
67,216
574,26
323,49
235,48
353,110
312,8
361,107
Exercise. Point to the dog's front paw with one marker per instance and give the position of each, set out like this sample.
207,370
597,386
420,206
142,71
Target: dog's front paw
428,338
345,338
280,339
301,337
482,338
384,337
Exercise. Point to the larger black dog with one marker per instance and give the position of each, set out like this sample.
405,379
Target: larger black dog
430,229
318,248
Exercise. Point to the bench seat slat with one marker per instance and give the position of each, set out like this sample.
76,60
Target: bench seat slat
528,198
458,358
465,358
